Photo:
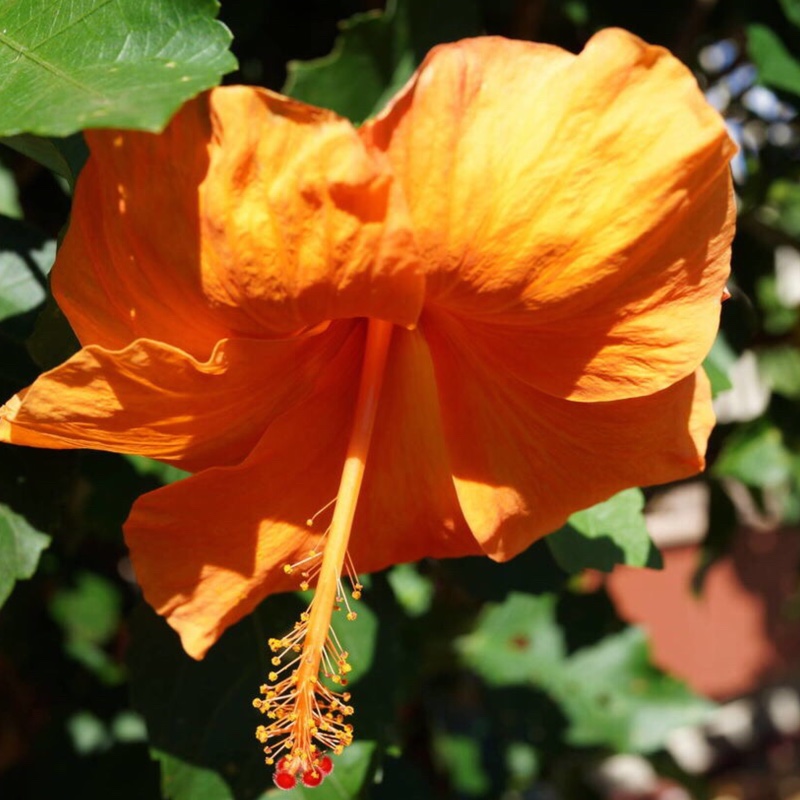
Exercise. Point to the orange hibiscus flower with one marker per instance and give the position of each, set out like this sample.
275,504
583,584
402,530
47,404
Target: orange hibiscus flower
495,296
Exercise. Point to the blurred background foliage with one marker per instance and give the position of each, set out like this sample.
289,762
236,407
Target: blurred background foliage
471,679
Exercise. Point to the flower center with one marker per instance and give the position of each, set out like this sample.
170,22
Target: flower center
306,718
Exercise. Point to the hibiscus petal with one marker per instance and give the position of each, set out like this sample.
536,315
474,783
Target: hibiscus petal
270,217
208,549
408,507
577,209
155,400
524,460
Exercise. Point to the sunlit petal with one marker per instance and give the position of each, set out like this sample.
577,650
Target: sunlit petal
578,208
523,460
270,217
154,400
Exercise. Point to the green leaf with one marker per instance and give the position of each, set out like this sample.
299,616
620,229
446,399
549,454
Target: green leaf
25,260
166,473
718,363
522,762
64,156
609,533
20,549
52,341
376,54
515,642
413,591
9,194
778,318
613,696
756,454
182,781
792,10
68,65
460,756
609,691
88,733
89,614
782,207
90,610
128,727
776,66
780,366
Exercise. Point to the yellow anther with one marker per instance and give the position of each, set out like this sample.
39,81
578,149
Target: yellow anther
288,569
352,615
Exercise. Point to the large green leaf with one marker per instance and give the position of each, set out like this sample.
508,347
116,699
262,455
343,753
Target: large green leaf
74,64
182,781
609,533
516,642
377,52
610,692
613,696
776,65
20,549
25,260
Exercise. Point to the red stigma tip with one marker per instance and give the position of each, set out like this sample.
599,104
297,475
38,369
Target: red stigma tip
313,777
283,780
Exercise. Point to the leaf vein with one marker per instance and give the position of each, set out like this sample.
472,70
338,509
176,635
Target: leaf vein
24,52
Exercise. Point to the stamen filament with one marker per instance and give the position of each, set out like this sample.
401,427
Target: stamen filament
306,717
312,519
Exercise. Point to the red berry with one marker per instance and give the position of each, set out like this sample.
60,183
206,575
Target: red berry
313,777
325,765
283,780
